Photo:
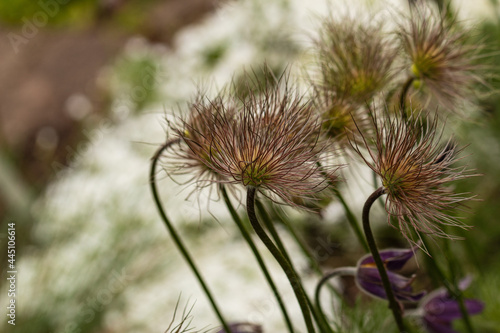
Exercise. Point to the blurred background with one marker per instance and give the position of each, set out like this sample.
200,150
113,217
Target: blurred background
85,87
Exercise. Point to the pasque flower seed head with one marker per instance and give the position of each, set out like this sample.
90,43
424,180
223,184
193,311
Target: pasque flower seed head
444,65
417,170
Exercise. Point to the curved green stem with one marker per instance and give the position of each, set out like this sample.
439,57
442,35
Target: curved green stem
312,260
290,273
268,223
258,257
302,244
322,282
274,234
375,186
393,304
318,316
180,245
402,98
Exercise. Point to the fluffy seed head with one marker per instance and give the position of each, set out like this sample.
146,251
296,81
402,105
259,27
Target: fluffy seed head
191,156
271,143
354,60
416,169
437,55
340,118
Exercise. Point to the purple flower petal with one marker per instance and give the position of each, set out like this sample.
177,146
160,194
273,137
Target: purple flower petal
443,309
397,262
369,280
374,290
440,309
394,259
449,309
438,327
243,328
474,306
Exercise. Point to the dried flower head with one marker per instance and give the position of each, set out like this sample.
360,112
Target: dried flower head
191,155
355,61
441,61
340,118
416,169
271,143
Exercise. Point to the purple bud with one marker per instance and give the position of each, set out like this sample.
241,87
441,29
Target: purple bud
243,328
369,280
440,309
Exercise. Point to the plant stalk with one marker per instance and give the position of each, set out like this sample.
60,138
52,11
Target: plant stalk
393,304
300,242
353,221
274,234
402,98
290,273
173,233
258,257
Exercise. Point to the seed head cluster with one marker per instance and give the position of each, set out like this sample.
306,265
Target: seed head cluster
416,169
355,63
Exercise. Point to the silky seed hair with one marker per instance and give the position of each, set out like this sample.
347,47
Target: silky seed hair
417,170
354,60
272,143
438,55
194,134
340,118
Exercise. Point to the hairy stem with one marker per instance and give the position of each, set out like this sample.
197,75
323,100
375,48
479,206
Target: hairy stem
258,257
393,304
290,273
175,236
456,292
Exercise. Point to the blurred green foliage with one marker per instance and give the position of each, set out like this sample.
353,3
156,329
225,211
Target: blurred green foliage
138,77
75,13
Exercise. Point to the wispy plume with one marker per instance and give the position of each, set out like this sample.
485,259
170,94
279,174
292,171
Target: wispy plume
416,169
440,57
